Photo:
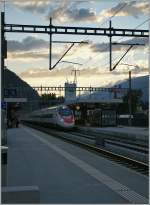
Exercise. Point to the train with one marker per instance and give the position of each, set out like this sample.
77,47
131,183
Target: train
58,117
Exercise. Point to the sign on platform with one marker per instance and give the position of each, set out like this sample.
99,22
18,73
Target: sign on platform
15,99
10,92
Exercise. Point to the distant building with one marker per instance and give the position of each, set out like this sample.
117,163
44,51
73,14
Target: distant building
70,91
92,109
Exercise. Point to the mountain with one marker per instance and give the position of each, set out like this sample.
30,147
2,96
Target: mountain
21,89
141,83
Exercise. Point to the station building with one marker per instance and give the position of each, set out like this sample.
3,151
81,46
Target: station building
96,109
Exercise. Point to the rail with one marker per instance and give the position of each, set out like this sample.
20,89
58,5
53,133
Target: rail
136,165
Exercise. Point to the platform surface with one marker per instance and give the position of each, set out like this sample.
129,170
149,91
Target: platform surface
66,173
138,131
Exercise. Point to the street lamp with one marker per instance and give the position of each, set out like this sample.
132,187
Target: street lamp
130,93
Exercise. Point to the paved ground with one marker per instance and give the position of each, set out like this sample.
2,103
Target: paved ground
121,129
66,173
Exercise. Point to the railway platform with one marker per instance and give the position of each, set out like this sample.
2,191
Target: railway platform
139,134
66,173
137,131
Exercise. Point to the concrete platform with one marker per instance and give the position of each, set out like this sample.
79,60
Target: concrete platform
66,173
120,129
137,133
20,195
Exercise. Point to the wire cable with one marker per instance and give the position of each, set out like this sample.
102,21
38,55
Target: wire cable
122,7
119,39
125,4
136,27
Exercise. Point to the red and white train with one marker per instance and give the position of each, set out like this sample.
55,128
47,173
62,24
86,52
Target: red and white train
59,116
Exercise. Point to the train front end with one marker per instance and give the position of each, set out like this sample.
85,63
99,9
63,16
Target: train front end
65,117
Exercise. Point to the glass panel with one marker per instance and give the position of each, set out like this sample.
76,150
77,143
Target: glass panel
64,111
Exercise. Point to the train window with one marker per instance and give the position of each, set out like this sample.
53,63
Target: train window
50,115
64,111
34,116
43,116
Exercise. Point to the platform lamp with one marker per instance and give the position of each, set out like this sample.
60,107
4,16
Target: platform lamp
130,92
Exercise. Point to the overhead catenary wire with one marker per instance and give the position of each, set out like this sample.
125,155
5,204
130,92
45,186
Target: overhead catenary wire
87,61
123,6
108,19
141,24
135,28
118,40
118,11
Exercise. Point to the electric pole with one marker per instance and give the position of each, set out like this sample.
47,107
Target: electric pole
130,100
75,75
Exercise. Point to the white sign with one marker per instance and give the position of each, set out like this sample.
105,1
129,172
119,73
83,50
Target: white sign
15,99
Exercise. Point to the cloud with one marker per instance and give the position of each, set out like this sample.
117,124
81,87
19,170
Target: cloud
82,14
132,8
84,73
29,43
70,11
35,73
39,6
63,10
30,55
73,13
32,47
124,69
95,76
64,15
104,47
32,43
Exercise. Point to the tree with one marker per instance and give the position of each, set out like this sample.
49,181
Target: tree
50,99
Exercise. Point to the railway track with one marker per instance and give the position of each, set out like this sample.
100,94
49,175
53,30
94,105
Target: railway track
88,142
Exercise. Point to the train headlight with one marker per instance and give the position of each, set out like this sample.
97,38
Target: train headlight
61,119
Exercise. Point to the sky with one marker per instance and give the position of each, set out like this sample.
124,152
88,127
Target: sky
28,54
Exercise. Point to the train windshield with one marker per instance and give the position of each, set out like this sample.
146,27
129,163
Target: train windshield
64,111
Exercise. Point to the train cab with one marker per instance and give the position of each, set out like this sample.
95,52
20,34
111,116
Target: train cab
65,116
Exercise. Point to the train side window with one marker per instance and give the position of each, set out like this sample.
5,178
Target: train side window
48,115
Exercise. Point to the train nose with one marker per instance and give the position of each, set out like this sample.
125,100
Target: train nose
68,119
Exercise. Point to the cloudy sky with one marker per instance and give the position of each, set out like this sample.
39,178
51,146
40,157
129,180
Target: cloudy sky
28,54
